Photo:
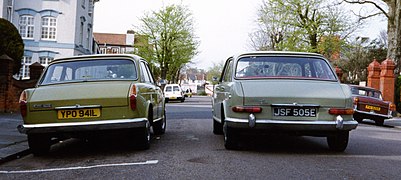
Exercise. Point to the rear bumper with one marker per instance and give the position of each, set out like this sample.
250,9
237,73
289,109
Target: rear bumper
82,126
281,125
371,115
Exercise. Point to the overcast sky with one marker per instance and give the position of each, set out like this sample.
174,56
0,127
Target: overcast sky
222,26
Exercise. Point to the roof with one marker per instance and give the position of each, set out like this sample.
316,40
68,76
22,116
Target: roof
278,53
107,38
84,57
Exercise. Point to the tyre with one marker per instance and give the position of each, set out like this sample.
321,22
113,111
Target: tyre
217,127
358,119
39,144
379,122
338,142
143,137
159,127
230,138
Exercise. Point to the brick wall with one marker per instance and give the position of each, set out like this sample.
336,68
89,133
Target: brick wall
10,88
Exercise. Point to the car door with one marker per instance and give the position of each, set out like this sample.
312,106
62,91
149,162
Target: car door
152,91
222,89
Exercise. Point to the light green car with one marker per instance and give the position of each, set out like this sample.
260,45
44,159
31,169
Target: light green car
295,93
86,95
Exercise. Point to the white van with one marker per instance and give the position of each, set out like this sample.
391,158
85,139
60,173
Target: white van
173,92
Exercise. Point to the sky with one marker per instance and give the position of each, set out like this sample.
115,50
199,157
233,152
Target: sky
221,26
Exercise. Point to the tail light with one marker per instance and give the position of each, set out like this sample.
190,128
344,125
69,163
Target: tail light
132,97
392,107
248,109
356,100
341,111
23,104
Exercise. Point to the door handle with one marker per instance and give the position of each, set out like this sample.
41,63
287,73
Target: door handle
220,88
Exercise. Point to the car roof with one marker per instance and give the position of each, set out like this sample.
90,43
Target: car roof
83,57
280,53
363,87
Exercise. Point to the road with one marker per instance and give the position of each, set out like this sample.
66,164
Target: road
189,150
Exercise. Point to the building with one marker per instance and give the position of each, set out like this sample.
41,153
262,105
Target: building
51,28
109,43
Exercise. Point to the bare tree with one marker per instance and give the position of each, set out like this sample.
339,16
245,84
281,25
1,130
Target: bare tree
393,15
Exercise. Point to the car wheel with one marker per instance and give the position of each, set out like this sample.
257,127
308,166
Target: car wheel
230,138
358,119
39,144
339,141
144,137
379,122
159,127
217,127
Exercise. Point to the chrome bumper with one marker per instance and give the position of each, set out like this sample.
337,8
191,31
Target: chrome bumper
293,125
82,126
372,114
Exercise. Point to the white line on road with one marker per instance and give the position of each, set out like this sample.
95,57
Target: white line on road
79,167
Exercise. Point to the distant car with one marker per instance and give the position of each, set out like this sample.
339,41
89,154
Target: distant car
369,104
173,92
82,95
286,92
188,93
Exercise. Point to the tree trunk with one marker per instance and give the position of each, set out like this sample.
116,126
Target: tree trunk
394,32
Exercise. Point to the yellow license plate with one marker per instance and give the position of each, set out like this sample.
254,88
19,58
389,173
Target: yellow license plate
173,97
372,108
78,113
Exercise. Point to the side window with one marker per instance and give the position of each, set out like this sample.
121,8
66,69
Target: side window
146,76
226,76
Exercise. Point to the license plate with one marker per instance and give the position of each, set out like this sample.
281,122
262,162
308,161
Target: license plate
78,113
295,111
173,97
372,107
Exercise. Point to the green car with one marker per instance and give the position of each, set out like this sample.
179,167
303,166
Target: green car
285,92
86,95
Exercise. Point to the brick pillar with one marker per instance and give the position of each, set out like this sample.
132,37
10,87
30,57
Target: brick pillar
387,80
374,74
6,72
35,70
339,73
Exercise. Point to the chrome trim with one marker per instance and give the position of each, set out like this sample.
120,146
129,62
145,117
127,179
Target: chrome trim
82,126
77,106
373,114
296,105
293,124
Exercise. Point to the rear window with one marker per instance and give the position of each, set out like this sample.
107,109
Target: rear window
90,70
176,88
168,89
283,67
366,92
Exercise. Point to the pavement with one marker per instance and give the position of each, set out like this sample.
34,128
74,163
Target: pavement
14,144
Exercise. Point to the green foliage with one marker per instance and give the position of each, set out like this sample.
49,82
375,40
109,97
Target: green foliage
397,94
11,43
171,41
302,25
214,71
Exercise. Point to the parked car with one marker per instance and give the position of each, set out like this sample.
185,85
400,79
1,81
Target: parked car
173,92
369,104
86,95
289,92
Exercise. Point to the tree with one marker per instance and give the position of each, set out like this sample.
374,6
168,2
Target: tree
11,43
393,15
301,25
170,33
214,71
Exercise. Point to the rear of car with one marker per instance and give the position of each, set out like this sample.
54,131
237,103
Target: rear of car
369,104
296,93
82,96
173,92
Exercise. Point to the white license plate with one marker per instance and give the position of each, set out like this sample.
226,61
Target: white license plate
295,111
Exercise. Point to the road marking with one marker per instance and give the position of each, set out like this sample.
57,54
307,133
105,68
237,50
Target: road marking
80,167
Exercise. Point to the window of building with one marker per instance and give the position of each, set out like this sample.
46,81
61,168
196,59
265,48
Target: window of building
88,38
26,26
25,62
81,33
44,61
49,26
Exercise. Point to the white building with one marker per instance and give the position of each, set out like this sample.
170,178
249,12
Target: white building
51,28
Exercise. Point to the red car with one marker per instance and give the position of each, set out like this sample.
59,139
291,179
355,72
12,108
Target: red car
369,104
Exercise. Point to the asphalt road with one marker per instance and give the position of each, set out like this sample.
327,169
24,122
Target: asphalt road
189,150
